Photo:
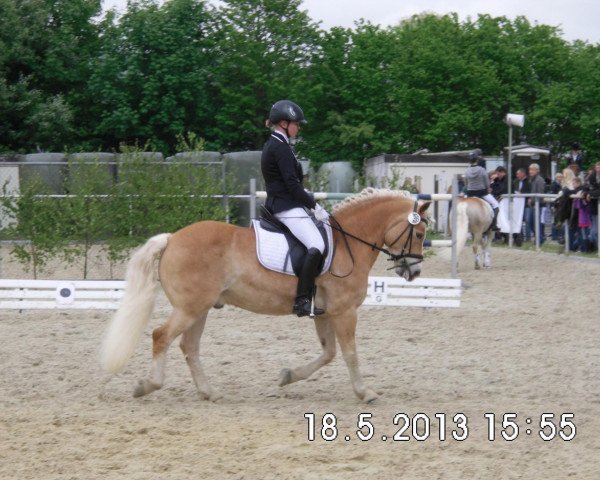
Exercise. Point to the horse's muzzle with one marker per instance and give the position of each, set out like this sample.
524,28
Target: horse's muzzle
408,271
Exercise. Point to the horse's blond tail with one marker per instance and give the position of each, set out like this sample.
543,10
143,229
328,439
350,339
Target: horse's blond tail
126,327
462,231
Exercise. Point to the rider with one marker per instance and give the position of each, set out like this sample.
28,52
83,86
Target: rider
477,183
288,200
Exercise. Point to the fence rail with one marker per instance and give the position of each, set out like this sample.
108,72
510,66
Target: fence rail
539,197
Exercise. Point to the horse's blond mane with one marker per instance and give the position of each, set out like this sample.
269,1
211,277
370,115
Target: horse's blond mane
368,194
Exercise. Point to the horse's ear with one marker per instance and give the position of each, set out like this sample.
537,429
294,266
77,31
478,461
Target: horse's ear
423,207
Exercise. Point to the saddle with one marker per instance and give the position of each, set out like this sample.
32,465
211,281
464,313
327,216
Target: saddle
279,250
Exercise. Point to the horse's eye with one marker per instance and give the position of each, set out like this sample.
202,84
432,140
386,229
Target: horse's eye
420,236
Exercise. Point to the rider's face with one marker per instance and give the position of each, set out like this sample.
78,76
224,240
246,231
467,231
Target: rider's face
293,129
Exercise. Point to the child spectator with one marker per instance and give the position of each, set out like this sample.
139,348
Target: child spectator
582,218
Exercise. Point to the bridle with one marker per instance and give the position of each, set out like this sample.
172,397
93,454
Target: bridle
392,257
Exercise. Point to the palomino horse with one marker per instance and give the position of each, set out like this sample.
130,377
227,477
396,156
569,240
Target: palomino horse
211,263
474,215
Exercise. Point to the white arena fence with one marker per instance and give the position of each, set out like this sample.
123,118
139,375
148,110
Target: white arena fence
107,294
421,292
60,294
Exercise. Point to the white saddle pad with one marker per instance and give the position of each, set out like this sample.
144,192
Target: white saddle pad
273,251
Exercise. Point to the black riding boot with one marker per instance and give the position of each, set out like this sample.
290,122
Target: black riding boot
494,227
306,285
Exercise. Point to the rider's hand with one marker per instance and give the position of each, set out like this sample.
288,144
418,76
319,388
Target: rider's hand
320,213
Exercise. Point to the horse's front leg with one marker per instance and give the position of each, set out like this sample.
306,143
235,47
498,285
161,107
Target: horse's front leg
345,331
327,339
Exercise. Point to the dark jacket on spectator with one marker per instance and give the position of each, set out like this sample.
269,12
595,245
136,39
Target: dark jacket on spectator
563,206
536,185
523,189
499,186
555,187
594,191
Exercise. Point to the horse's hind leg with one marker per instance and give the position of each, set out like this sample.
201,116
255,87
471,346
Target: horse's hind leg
190,346
327,339
162,337
345,331
476,242
485,245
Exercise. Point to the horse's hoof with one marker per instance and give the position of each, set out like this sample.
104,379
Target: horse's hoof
212,397
370,397
477,267
144,387
285,377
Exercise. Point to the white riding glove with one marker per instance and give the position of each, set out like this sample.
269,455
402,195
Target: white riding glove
320,213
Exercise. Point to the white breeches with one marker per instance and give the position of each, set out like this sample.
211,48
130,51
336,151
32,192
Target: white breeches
303,228
491,200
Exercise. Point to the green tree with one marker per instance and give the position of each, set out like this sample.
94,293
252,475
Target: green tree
151,80
31,120
262,48
351,106
569,110
46,47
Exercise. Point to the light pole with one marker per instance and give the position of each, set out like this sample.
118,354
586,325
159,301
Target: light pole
512,120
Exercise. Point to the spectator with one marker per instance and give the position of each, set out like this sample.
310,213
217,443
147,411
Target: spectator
499,182
580,220
576,170
575,157
593,192
520,185
563,205
556,184
568,180
555,188
536,185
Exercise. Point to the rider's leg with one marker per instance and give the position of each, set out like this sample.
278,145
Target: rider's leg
304,229
495,207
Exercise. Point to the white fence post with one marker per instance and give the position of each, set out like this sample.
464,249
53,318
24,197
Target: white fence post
252,202
536,219
454,216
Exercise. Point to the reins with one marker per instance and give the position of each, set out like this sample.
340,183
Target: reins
393,257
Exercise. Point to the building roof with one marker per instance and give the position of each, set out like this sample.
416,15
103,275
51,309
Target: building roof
434,157
528,150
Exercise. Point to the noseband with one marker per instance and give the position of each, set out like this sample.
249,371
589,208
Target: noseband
413,220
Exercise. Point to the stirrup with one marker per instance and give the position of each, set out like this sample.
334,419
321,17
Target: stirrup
306,307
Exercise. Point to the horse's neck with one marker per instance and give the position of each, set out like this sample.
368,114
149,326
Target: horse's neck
367,222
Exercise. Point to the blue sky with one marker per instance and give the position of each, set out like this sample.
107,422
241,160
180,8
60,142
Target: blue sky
579,19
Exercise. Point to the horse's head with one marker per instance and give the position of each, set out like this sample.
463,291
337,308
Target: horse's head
404,239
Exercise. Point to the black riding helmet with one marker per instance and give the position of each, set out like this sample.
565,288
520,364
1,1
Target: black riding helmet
475,156
286,110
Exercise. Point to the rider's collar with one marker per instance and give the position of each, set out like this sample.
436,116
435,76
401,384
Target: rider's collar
277,134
